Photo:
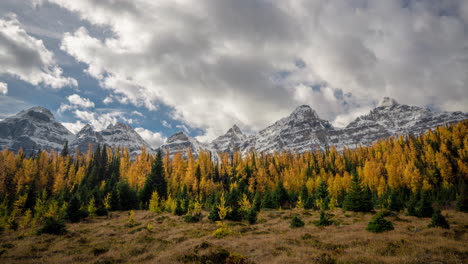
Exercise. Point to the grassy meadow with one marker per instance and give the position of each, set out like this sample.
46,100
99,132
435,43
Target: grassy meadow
165,238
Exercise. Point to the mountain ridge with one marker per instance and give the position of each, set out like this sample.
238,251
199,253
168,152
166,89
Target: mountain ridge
300,131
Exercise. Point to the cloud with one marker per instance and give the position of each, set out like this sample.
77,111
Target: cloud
166,124
137,113
155,139
26,57
98,121
108,100
184,128
74,127
3,88
77,100
222,62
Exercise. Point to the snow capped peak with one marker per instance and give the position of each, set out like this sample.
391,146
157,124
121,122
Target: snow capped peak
119,125
387,102
304,112
86,129
178,136
37,113
31,129
235,130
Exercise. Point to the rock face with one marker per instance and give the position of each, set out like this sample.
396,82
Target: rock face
229,142
118,135
181,142
301,131
304,130
391,119
33,129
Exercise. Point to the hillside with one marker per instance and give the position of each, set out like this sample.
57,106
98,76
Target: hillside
233,203
111,240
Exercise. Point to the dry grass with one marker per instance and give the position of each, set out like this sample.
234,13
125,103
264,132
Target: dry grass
112,240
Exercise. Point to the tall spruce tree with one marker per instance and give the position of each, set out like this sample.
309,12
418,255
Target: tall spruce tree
322,195
65,150
359,198
281,195
155,181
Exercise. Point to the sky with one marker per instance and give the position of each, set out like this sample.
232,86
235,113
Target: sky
202,66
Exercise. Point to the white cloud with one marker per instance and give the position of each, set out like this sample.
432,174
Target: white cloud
79,101
3,88
166,124
108,100
137,113
218,63
184,128
26,57
98,121
74,127
155,139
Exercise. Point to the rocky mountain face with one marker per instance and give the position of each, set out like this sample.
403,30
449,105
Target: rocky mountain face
232,141
304,130
301,131
118,135
33,129
36,128
181,142
391,119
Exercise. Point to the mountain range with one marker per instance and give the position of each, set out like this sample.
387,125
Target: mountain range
303,130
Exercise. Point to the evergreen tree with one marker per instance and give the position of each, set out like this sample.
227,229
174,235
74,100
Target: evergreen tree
308,200
257,202
269,200
296,221
394,203
379,224
423,207
65,150
179,210
214,214
462,199
74,213
281,195
438,220
127,198
252,216
155,181
322,195
324,219
358,199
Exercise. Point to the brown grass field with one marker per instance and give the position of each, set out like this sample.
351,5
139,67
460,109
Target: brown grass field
171,240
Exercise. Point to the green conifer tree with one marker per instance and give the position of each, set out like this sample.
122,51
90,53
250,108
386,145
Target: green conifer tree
155,181
358,198
438,220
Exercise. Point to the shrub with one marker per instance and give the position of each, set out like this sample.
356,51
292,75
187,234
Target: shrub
102,211
179,210
252,216
214,214
324,220
222,230
424,206
53,226
420,205
379,224
438,220
193,218
296,221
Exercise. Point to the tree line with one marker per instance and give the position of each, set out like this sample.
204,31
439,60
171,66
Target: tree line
405,173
